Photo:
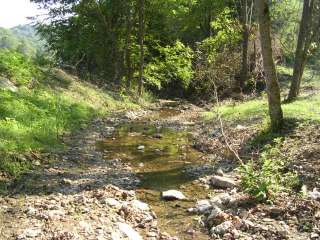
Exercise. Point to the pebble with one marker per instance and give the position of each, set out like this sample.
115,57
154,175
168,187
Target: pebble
140,205
203,206
141,148
222,182
315,194
32,232
112,202
129,231
173,195
222,228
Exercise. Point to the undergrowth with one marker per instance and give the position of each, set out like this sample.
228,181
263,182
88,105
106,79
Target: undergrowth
269,176
35,117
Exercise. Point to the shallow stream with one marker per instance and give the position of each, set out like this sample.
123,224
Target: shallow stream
160,156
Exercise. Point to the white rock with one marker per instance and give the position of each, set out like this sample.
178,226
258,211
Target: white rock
222,182
188,123
109,129
86,227
152,234
129,231
202,206
220,172
140,205
32,232
215,213
112,202
173,195
31,211
240,127
55,214
115,236
141,147
7,84
315,194
221,199
223,228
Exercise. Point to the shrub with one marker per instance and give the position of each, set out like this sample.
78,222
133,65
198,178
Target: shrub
172,67
267,178
217,58
18,68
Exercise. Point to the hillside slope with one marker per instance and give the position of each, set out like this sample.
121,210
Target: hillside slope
47,104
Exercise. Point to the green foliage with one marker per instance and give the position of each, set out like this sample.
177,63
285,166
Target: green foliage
17,67
173,65
97,38
228,35
217,58
286,16
267,178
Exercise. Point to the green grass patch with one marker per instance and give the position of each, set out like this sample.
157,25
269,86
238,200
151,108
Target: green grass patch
34,119
304,108
18,68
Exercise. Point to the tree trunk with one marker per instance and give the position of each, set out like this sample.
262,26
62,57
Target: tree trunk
128,63
141,43
273,88
304,41
245,44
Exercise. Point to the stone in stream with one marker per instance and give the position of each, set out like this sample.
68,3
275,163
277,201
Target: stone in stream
141,148
222,182
201,207
173,195
129,231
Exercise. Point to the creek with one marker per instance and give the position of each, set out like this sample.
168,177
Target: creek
161,157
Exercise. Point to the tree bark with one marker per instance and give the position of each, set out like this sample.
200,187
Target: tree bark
141,43
273,88
303,45
245,44
128,63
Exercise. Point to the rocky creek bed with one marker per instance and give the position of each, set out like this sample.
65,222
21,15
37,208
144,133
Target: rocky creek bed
109,181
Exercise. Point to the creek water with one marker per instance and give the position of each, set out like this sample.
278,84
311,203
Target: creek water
161,165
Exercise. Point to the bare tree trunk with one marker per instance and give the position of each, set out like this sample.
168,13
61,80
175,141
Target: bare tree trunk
303,45
273,88
128,63
245,44
141,43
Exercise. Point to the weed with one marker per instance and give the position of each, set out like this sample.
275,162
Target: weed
268,177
